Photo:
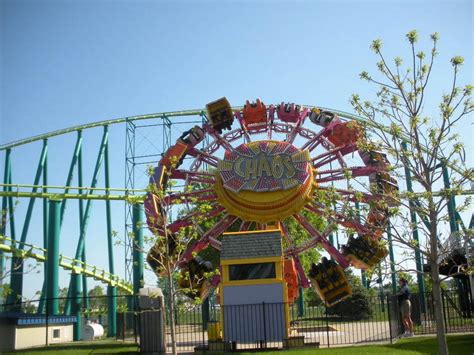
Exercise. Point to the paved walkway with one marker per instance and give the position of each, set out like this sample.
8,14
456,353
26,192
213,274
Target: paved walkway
349,333
188,337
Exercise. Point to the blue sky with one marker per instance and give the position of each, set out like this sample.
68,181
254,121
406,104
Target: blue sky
66,63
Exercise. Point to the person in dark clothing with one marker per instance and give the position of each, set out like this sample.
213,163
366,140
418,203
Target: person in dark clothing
405,307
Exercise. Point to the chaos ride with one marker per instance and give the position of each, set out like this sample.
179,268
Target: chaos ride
260,168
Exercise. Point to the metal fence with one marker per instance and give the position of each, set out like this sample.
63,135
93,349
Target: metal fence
262,326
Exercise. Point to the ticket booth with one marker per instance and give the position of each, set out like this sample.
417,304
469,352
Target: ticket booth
253,291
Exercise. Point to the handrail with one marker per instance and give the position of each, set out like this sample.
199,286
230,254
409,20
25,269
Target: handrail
66,262
52,187
141,194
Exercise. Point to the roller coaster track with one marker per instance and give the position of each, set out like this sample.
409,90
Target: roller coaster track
8,245
175,115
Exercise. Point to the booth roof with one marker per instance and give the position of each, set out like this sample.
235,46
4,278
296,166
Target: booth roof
251,245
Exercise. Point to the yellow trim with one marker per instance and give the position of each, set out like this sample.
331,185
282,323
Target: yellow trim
255,260
252,282
278,260
268,206
254,232
221,299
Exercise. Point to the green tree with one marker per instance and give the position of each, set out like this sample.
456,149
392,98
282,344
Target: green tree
97,301
356,307
421,143
169,248
62,298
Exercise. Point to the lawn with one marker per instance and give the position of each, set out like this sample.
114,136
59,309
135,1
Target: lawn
458,345
83,347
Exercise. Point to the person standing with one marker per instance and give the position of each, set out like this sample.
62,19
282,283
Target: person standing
405,307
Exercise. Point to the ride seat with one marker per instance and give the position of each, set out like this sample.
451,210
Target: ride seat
254,113
289,112
344,133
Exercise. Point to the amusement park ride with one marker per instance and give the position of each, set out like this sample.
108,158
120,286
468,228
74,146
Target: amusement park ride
256,169
254,181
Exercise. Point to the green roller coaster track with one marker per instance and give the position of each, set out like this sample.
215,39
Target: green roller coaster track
177,114
78,267
133,197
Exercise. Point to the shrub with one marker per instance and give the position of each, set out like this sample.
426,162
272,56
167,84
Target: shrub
356,307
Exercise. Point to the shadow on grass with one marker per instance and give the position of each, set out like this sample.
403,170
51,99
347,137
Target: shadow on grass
98,347
457,344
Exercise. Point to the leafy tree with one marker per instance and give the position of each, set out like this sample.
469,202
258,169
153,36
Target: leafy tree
30,307
97,301
169,248
62,298
356,307
421,143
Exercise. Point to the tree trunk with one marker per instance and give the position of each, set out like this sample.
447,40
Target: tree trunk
437,300
171,303
438,310
434,272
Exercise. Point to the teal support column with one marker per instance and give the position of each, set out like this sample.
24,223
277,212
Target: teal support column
301,302
77,149
16,283
85,220
70,175
112,311
111,290
3,215
40,309
9,209
453,221
52,289
84,215
137,219
414,222
392,258
76,294
85,290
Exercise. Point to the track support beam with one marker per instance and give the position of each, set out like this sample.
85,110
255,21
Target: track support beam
138,262
52,288
76,304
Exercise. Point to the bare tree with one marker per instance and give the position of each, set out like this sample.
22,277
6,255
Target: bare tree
421,144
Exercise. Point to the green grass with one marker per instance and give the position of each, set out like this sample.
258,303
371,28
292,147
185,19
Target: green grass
458,345
83,347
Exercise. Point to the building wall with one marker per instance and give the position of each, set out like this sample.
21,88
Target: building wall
254,313
27,337
252,294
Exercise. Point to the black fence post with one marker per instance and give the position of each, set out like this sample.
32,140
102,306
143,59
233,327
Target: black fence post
443,303
264,326
327,323
389,319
